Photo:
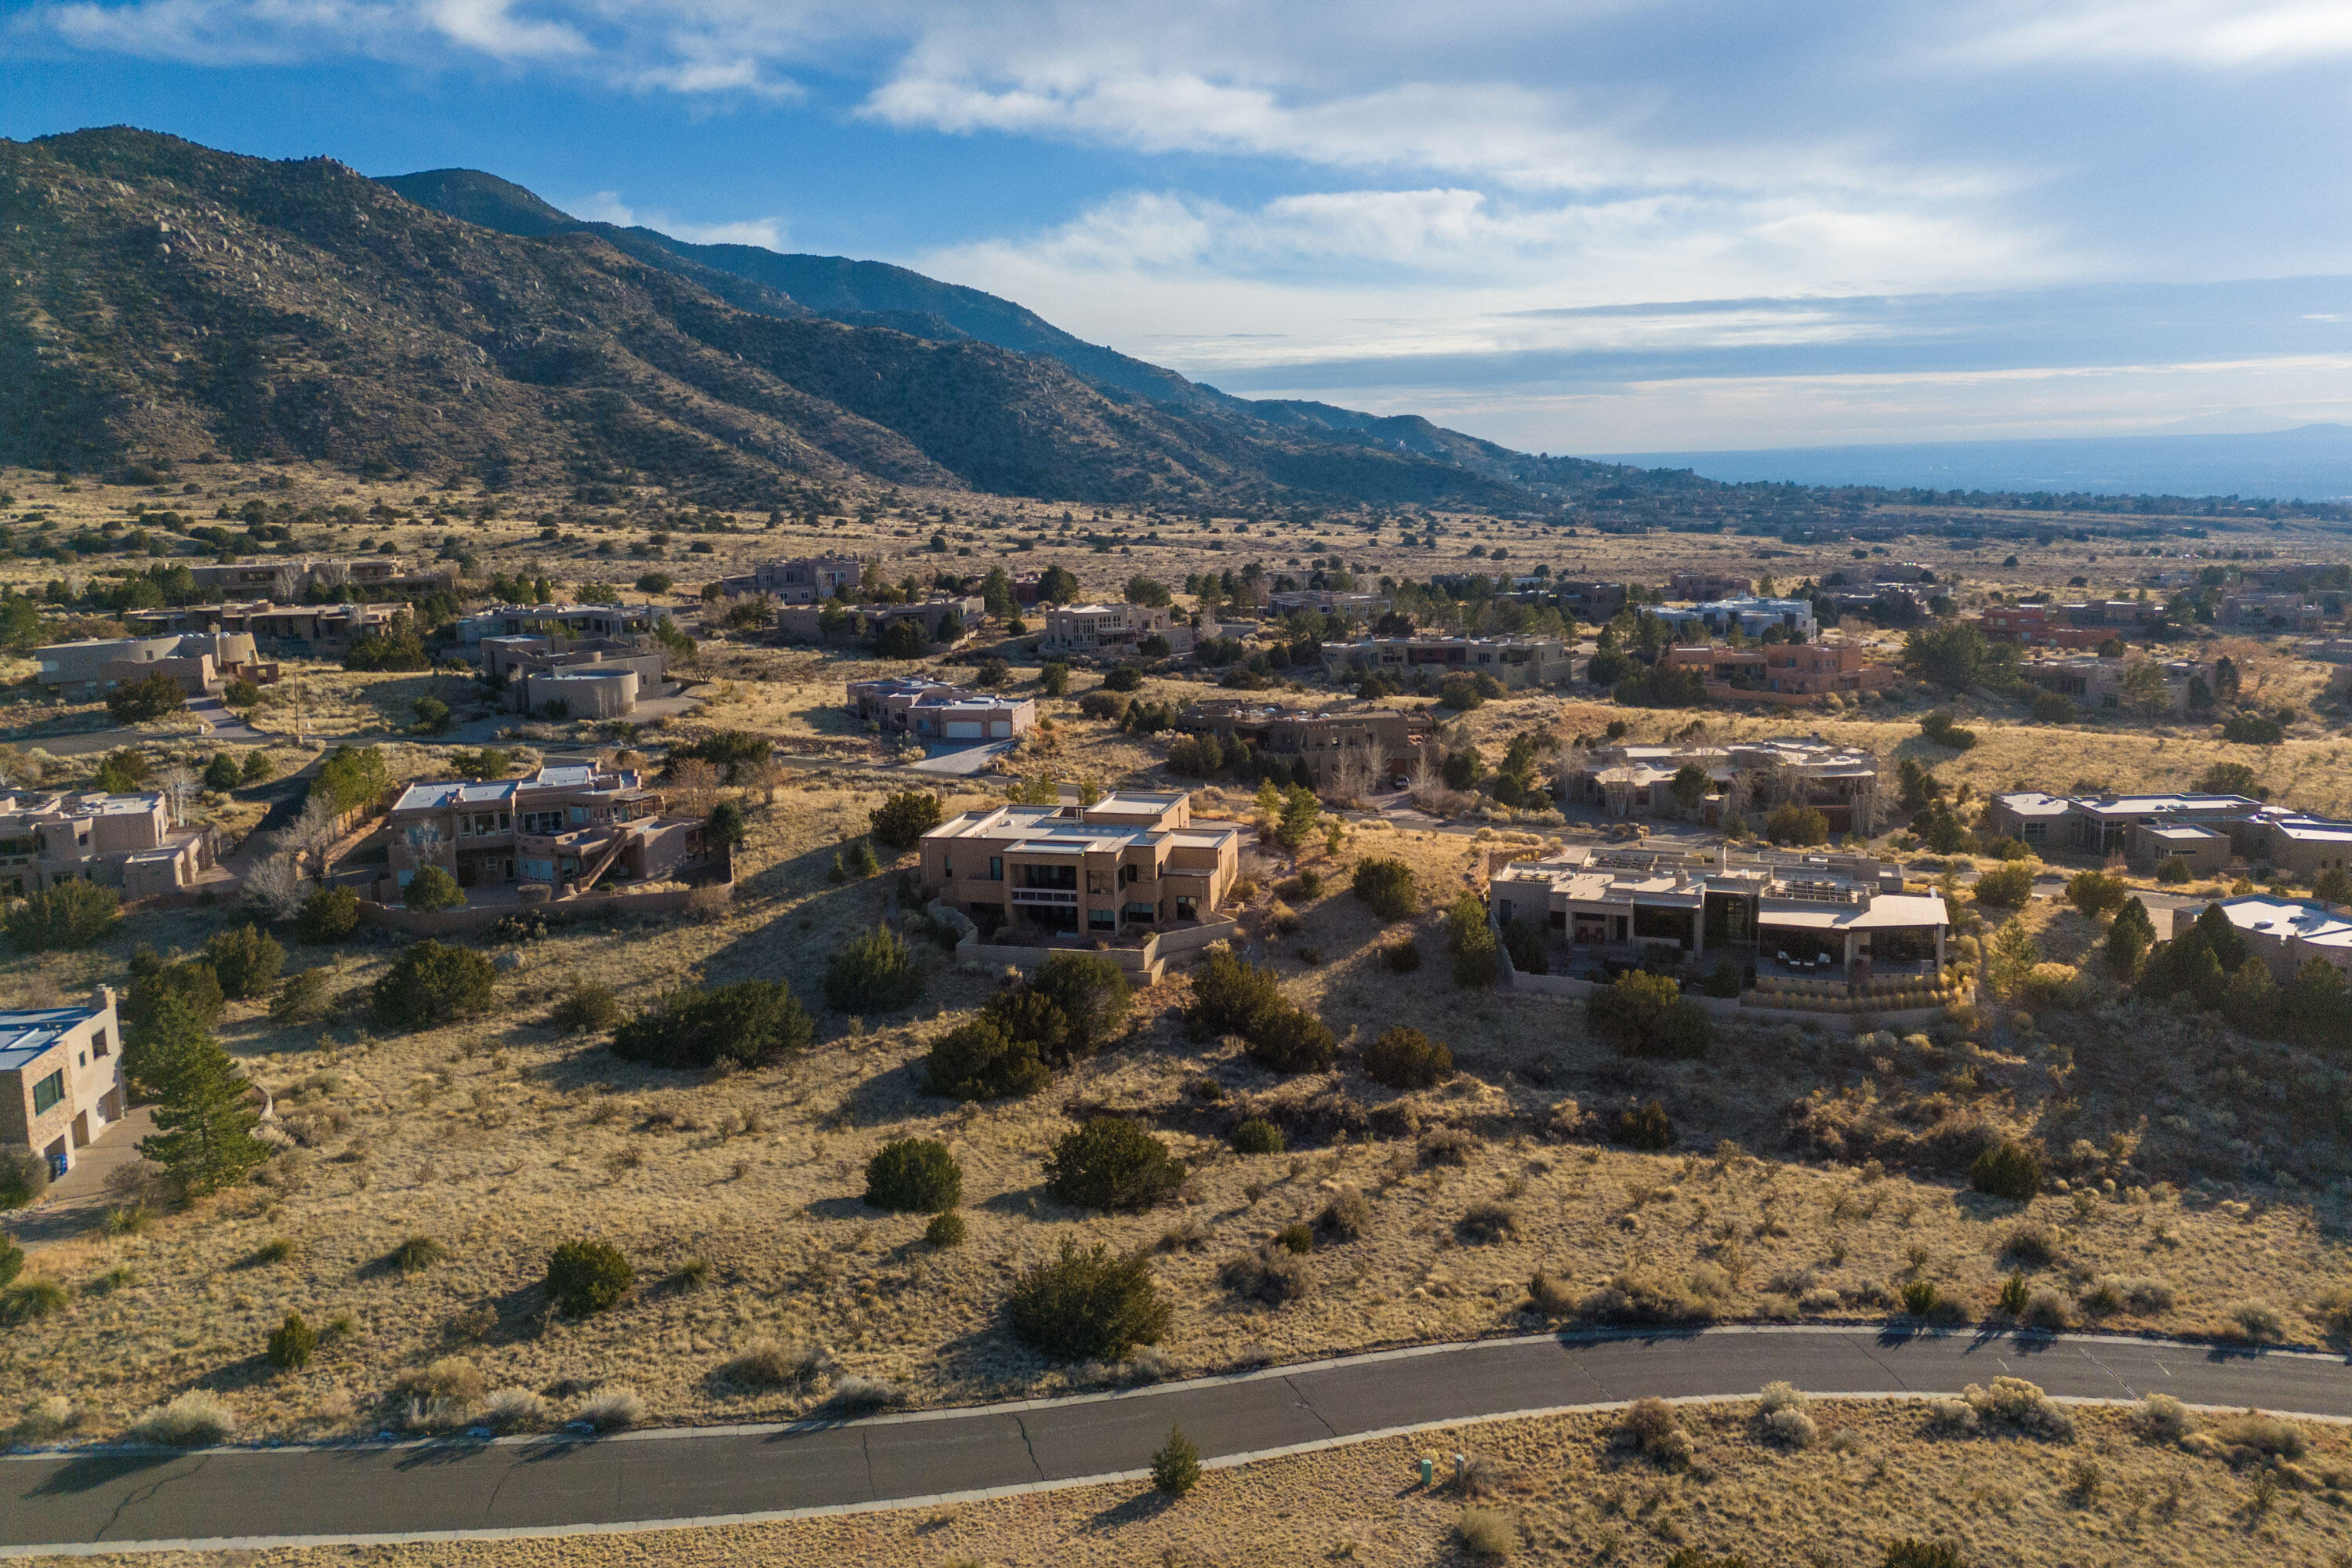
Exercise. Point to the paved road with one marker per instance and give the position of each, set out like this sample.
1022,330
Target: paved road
111,1499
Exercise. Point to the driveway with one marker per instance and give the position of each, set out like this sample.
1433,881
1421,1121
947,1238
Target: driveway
75,1204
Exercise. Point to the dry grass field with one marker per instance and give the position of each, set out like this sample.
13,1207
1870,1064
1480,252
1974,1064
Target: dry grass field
738,1196
1572,1490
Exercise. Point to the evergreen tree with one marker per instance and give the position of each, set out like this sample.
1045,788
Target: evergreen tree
204,1138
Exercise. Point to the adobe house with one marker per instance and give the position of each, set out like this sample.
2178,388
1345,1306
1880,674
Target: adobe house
1129,864
61,1078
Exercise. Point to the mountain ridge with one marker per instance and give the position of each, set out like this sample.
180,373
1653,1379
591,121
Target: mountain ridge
882,293
166,299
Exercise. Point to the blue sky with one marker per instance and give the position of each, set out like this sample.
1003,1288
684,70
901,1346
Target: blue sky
1594,226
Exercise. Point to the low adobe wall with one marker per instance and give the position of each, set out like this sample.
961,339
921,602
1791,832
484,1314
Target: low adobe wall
481,917
1149,960
1567,988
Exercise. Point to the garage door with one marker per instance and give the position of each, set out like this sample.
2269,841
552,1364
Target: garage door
963,730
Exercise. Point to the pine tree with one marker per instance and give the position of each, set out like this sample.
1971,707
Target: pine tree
2014,953
204,1138
1176,1467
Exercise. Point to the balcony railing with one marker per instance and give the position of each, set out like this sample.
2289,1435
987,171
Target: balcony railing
1044,896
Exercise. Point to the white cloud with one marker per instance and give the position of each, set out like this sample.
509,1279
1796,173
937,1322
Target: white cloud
766,232
607,207
2202,35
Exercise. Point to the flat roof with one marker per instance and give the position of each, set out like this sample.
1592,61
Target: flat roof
2185,833
25,1035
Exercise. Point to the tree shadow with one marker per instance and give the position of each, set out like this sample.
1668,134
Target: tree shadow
1141,1509
87,1472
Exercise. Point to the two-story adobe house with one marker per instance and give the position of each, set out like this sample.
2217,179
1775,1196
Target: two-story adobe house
124,841
61,1078
1129,863
559,831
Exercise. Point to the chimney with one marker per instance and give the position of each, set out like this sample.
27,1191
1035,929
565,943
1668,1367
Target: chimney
101,999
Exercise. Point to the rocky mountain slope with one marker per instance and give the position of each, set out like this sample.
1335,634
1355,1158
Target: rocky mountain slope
160,298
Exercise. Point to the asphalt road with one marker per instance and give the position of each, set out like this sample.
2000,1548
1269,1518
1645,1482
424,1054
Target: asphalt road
111,1499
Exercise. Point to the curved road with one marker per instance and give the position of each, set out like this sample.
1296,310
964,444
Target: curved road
112,1500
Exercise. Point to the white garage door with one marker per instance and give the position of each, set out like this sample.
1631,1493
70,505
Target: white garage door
963,729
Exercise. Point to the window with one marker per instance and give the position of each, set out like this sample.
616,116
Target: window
996,868
49,1092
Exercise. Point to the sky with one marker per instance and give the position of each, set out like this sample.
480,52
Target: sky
1590,225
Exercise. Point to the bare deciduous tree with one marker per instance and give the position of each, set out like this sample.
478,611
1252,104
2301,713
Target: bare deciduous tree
314,833
179,784
277,886
1353,774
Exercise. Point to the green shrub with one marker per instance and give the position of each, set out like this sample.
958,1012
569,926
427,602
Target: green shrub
292,1343
244,960
1229,995
152,982
1470,940
301,999
1256,1135
2051,708
1938,727
1647,1015
902,819
328,915
352,777
137,701
1176,1465
1460,693
913,1175
1109,1163
1092,995
24,1176
222,775
750,1024
2007,1170
1087,1304
1126,677
1645,1126
1292,1040
1404,1057
258,766
1798,824
1298,1237
433,890
2174,871
981,1061
1725,979
1907,1553
1387,886
874,973
2005,887
945,1230
2095,893
1402,957
429,985
586,1276
12,1260
416,1255
1525,943
586,1008
64,917
30,1301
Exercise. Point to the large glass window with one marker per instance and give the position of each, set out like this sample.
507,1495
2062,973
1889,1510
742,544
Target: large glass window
49,1092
